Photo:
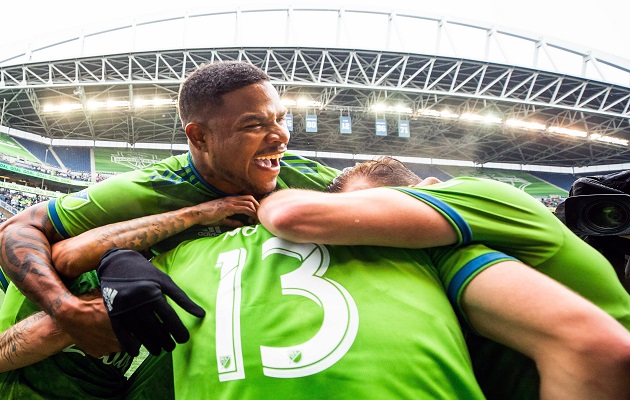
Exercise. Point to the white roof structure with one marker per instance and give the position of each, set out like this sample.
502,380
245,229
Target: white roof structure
468,92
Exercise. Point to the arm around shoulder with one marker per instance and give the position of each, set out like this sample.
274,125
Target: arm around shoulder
378,216
31,340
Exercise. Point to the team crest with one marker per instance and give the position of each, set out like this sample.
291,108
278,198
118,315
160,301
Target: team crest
295,356
76,200
134,160
225,362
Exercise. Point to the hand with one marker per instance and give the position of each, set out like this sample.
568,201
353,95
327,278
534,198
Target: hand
133,292
232,211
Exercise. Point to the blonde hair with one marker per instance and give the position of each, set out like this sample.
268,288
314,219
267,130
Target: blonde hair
382,171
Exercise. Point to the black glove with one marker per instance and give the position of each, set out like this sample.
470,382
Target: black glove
133,291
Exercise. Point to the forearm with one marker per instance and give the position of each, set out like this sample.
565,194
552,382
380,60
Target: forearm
31,340
25,257
380,217
81,253
523,309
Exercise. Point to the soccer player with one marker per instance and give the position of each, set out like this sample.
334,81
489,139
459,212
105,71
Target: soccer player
237,135
494,310
234,121
35,338
459,211
289,320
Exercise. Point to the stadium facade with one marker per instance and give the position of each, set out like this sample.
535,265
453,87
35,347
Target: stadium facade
357,82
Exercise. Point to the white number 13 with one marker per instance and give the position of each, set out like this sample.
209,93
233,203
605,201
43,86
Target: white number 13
326,347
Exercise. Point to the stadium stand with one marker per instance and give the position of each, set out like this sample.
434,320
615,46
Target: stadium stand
425,171
563,181
75,158
39,150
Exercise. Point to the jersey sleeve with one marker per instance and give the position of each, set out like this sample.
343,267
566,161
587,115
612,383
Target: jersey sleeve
118,198
297,172
458,266
497,215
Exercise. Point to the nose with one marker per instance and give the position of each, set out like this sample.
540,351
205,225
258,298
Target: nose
279,133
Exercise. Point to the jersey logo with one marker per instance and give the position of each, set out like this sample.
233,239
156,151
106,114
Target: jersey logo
295,356
225,361
109,295
210,231
76,200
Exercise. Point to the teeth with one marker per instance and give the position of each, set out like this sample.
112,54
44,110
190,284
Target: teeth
273,157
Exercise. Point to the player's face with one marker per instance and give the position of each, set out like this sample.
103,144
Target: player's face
248,137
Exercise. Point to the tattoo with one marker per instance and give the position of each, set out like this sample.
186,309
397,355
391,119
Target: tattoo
136,235
13,341
25,251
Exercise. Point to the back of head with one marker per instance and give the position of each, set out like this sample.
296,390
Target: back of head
202,90
382,171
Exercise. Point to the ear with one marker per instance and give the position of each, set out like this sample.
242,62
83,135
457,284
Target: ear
196,136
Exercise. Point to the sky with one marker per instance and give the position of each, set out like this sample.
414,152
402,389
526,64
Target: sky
601,25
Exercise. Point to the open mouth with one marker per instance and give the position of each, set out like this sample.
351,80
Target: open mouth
270,161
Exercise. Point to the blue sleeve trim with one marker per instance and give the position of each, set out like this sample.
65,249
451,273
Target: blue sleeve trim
54,218
461,224
4,282
470,269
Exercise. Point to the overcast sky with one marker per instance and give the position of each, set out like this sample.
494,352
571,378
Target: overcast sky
600,24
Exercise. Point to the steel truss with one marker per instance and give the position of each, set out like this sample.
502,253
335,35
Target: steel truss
345,82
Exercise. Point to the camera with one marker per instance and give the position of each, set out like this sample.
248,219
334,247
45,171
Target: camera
598,214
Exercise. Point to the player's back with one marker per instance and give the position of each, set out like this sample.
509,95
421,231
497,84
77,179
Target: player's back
303,321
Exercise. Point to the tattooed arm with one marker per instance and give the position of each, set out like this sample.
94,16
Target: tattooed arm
25,256
30,340
35,338
79,254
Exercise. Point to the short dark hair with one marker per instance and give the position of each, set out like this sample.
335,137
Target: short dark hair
382,171
203,89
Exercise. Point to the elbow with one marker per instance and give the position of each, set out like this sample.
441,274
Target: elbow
606,363
63,261
283,217
278,221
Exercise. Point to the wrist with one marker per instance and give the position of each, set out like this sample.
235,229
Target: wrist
65,308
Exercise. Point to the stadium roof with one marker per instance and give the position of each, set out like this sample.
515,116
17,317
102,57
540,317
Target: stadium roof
469,92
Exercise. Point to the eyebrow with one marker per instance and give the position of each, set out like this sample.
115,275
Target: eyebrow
251,118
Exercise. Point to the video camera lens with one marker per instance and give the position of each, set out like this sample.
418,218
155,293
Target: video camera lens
599,214
605,216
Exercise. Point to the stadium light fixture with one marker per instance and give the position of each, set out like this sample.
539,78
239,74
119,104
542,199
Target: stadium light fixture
486,119
301,102
399,108
155,102
304,103
448,114
62,107
109,104
566,131
608,139
525,125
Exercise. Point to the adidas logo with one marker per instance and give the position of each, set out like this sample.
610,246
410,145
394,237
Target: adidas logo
108,297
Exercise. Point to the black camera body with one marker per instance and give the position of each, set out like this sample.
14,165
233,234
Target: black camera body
598,214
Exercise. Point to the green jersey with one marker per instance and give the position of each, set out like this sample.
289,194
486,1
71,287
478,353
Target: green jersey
292,321
513,222
70,375
170,184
